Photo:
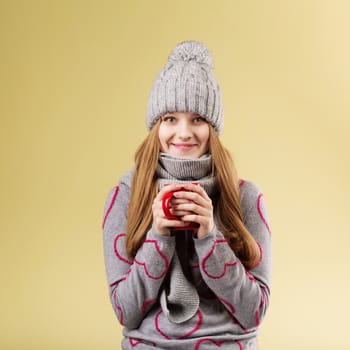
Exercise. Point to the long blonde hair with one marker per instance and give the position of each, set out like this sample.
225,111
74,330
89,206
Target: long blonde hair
228,211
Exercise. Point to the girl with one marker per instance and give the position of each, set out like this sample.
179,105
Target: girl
199,279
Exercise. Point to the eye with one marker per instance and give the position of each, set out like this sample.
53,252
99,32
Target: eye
199,119
168,119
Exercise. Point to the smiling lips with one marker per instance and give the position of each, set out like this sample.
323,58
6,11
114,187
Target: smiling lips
184,146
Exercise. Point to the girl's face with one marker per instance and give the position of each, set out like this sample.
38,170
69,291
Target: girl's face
184,135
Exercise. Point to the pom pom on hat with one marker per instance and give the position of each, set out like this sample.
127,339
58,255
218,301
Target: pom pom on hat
191,51
187,84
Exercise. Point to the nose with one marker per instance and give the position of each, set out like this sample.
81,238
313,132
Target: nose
184,130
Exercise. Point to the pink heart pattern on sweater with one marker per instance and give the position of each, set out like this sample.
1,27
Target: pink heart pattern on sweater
162,261
135,343
216,343
225,265
115,194
261,211
119,245
147,304
161,319
118,309
207,340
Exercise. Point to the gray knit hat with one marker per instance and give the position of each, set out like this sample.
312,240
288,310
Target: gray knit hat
187,84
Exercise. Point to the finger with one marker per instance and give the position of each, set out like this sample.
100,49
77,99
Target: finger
174,223
176,201
170,187
196,188
200,220
193,208
205,223
166,189
180,213
193,197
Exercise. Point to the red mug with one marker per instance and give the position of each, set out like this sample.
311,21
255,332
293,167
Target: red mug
166,209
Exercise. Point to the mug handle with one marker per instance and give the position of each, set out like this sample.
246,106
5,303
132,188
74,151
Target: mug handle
166,206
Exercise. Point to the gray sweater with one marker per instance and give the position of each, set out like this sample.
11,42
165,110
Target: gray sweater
232,301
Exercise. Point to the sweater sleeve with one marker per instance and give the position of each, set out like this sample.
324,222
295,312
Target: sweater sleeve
133,284
244,294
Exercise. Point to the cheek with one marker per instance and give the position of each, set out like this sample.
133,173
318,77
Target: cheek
162,147
205,136
162,139
206,147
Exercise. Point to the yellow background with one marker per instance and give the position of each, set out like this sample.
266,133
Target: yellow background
75,78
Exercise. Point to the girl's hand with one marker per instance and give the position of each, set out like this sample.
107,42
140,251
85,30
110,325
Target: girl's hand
160,223
194,206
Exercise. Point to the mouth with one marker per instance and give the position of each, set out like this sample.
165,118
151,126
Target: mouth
184,146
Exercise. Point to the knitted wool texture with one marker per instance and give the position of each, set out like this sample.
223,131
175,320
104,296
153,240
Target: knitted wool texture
186,170
179,299
232,304
187,84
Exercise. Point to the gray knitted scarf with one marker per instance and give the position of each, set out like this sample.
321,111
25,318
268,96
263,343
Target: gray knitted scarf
179,298
182,170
